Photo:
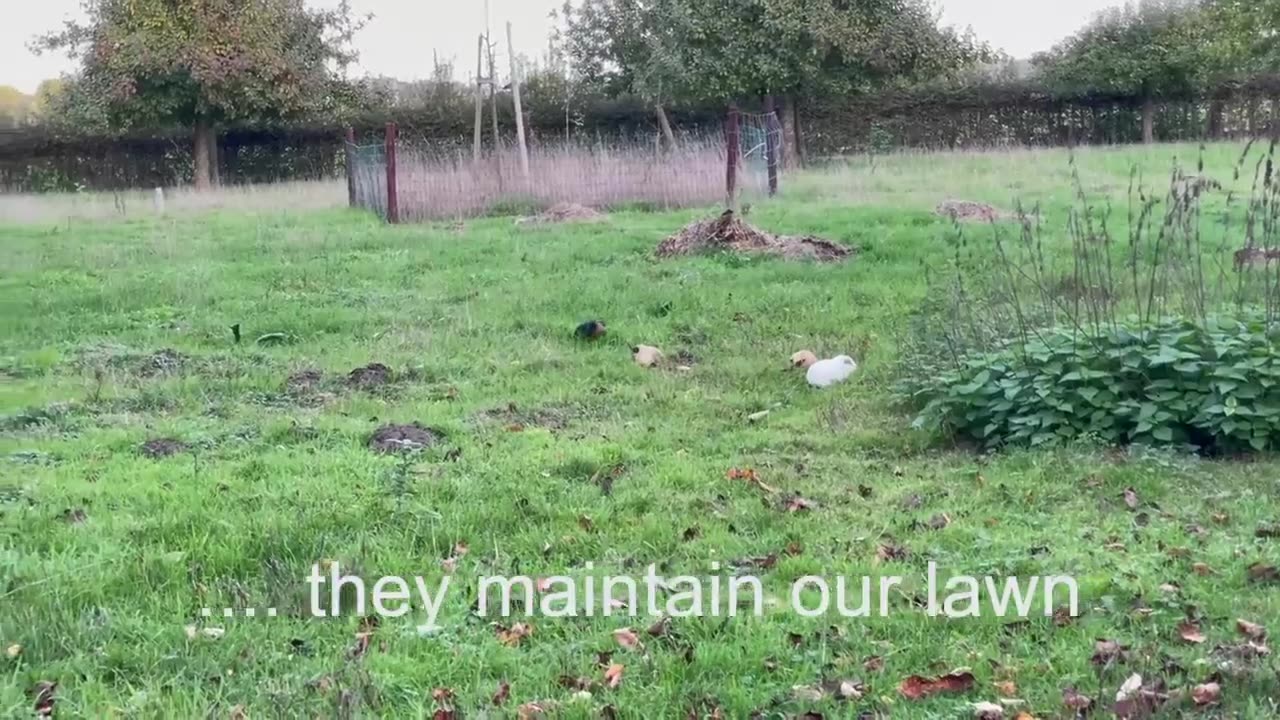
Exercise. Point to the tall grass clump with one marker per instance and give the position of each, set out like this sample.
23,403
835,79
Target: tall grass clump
1161,332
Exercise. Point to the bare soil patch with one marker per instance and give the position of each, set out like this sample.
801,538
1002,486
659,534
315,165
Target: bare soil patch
551,418
729,232
162,447
303,382
562,212
162,362
404,438
970,211
370,376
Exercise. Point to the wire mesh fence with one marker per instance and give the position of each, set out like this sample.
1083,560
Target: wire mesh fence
443,180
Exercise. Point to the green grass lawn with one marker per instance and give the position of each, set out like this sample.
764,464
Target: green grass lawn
558,453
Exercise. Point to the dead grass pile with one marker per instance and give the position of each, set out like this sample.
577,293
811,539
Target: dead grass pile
562,212
731,233
970,211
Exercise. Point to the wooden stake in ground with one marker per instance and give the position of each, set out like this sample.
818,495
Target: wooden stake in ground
393,194
493,99
515,95
349,155
475,141
731,163
771,143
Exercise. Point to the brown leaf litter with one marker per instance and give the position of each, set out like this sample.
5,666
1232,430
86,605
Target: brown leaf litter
562,212
728,232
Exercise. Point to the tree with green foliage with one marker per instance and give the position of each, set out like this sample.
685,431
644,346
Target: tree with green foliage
1150,50
16,107
202,63
725,50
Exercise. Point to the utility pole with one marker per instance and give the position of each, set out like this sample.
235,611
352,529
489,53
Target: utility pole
515,94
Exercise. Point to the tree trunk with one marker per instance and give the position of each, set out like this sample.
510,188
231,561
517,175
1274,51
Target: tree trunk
1214,131
200,153
1148,120
215,162
663,123
790,134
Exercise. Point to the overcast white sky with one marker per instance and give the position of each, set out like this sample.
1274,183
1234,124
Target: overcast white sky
400,38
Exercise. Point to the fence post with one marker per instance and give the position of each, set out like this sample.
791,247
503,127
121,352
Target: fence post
350,155
731,152
393,199
771,126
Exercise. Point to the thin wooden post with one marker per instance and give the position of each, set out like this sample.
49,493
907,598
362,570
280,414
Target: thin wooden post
771,143
732,149
515,95
475,140
393,194
349,152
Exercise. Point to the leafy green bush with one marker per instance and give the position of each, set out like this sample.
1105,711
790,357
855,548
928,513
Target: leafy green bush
1212,385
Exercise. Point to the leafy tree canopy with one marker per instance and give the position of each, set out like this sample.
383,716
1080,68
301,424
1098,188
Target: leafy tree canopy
198,63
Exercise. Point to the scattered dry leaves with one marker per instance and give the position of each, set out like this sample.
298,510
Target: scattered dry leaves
1109,652
1253,631
512,636
627,639
916,687
503,692
750,476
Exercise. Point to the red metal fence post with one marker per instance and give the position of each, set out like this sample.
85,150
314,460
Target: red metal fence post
731,164
393,199
350,155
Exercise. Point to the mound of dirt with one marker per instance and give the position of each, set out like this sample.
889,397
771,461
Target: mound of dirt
303,382
562,212
370,376
969,211
162,447
728,232
403,438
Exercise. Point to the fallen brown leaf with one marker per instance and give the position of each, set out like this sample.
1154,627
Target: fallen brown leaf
916,687
796,503
751,477
503,692
793,548
586,523
1109,652
1073,700
1007,688
1253,631
1206,693
534,710
1131,498
659,628
873,664
626,638
1191,632
449,565
239,712
13,650
1220,518
613,675
1201,569
442,695
939,521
